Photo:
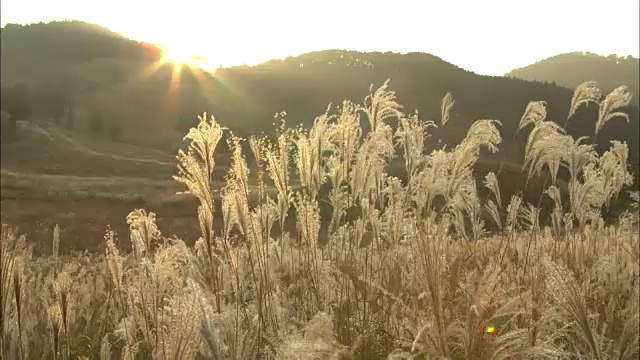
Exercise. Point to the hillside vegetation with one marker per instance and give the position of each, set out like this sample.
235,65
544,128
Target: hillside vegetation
108,88
376,266
571,69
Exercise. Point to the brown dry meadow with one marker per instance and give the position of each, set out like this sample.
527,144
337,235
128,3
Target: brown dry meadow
376,267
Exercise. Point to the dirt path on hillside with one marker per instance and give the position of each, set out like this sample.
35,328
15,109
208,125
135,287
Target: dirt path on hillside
52,134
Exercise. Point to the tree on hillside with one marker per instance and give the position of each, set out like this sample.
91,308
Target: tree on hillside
19,102
16,102
54,103
69,116
96,124
114,130
5,119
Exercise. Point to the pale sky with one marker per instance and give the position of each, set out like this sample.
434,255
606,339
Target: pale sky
488,37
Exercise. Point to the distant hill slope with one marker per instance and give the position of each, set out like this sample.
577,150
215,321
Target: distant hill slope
70,154
305,84
102,72
94,70
66,44
571,69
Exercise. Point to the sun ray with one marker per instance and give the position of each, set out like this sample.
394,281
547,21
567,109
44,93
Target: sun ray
173,64
155,52
164,56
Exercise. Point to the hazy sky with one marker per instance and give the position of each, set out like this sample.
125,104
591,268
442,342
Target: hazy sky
485,36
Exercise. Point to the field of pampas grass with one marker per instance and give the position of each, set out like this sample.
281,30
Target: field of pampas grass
413,275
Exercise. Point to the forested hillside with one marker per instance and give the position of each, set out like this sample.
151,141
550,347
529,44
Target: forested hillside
571,69
93,80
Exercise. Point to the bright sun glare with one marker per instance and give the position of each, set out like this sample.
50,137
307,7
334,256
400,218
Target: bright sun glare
178,56
181,55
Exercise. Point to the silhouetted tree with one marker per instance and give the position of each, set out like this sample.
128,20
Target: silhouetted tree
115,131
17,104
6,126
69,116
55,103
96,124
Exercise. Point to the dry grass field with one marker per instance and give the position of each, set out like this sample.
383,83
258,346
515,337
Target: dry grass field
317,252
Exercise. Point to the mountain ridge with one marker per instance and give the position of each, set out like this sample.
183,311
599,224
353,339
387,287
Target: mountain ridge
150,108
572,68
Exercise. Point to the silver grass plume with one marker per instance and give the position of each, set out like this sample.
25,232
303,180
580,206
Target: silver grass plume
583,94
143,231
535,113
482,133
196,165
381,105
494,207
618,98
445,108
547,145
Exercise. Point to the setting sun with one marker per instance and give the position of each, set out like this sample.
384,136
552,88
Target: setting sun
178,55
181,56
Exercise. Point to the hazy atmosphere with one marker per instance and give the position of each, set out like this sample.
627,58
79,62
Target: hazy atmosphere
487,37
340,180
